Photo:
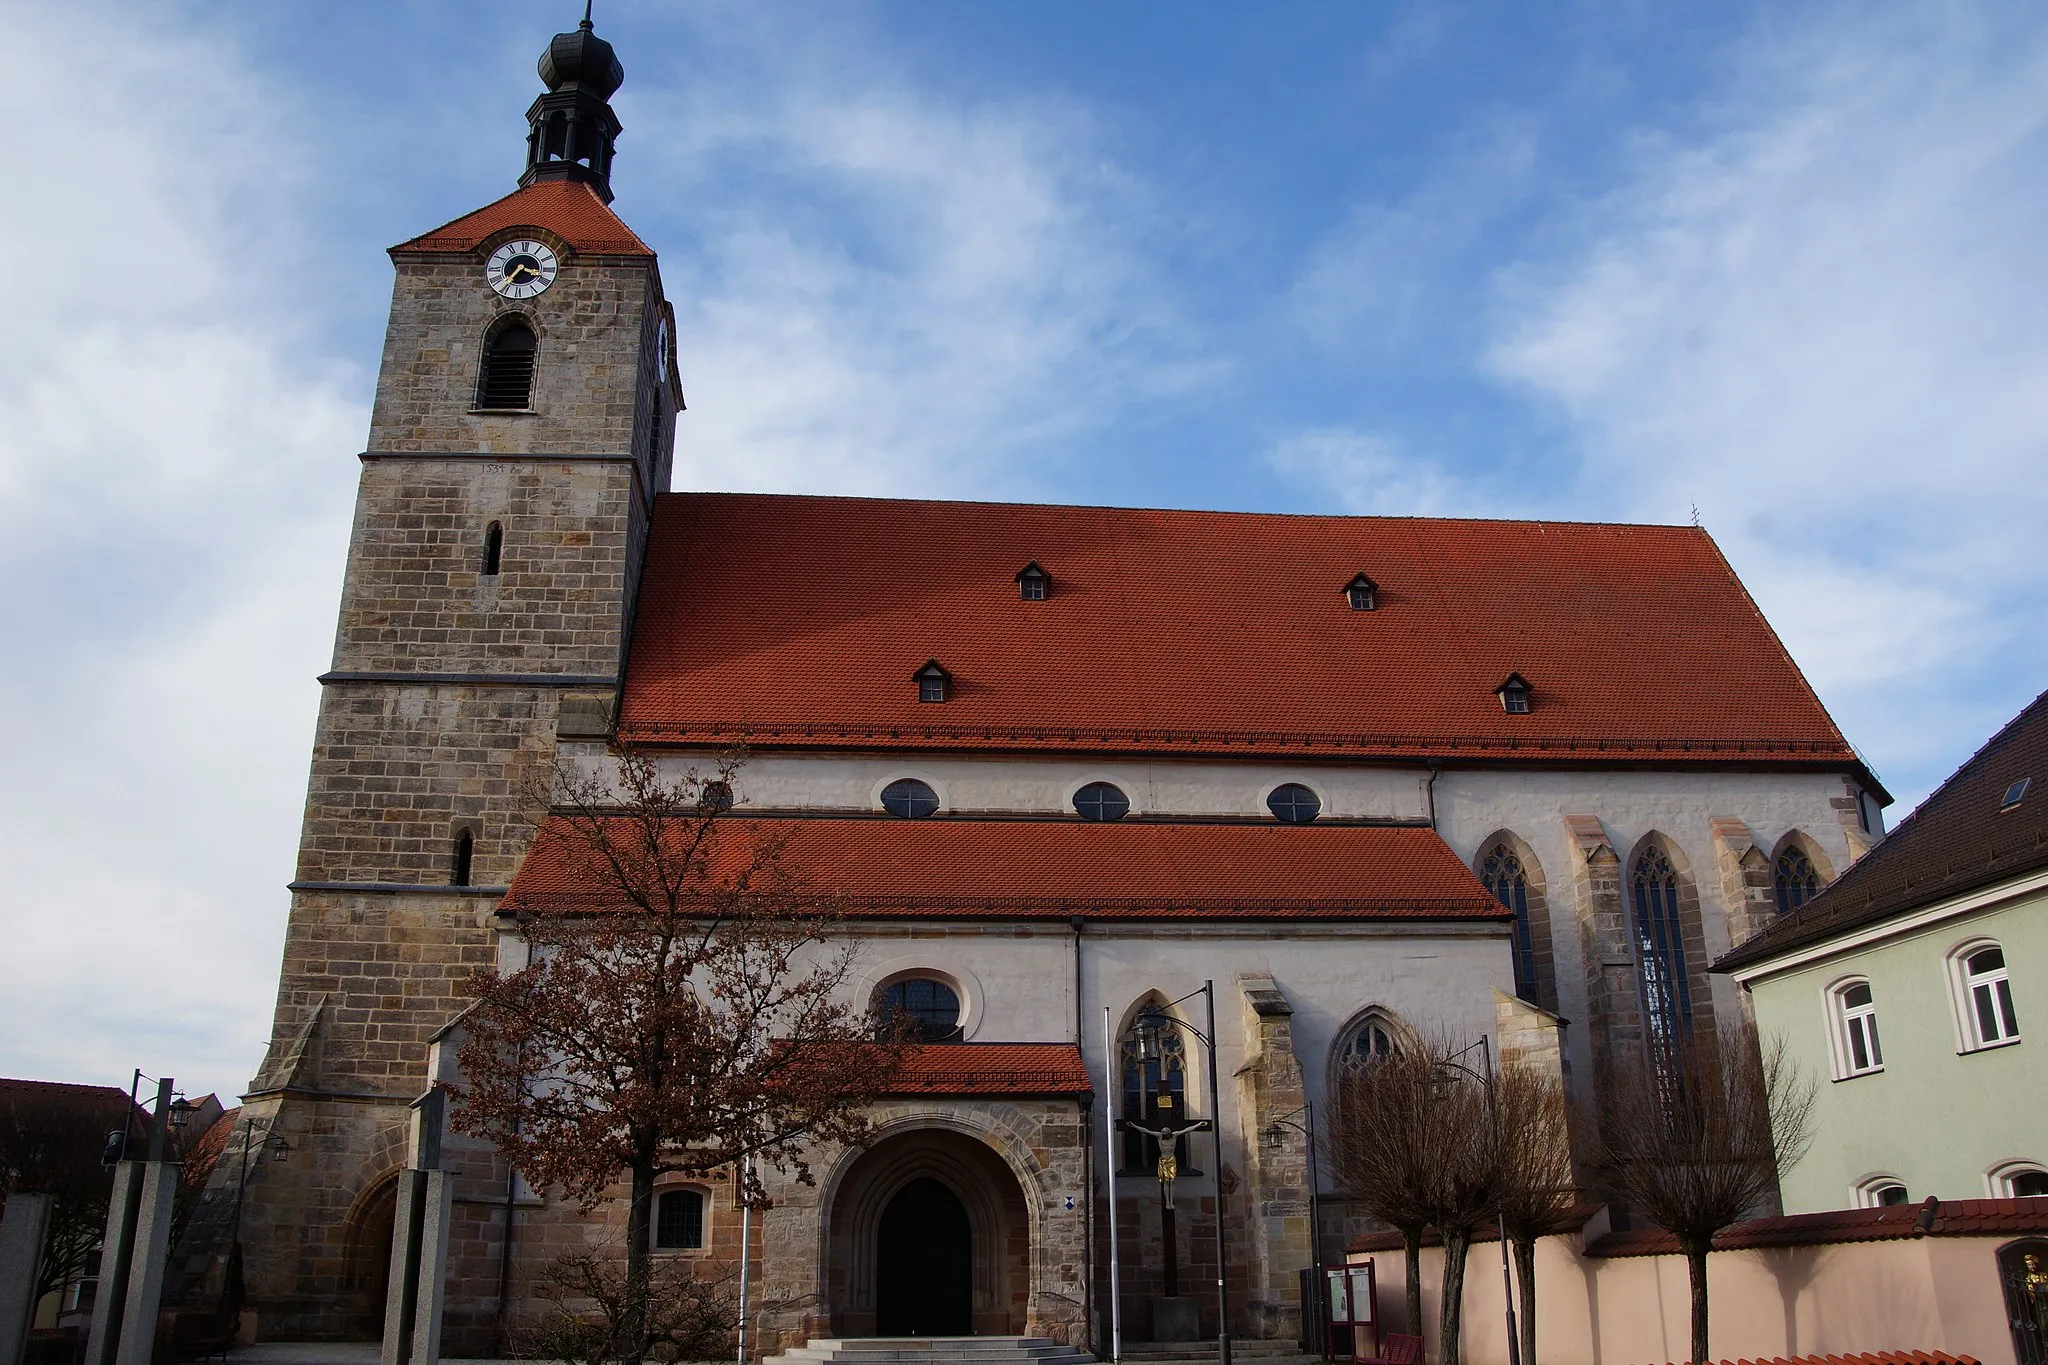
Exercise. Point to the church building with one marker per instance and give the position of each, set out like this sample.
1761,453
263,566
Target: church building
1369,777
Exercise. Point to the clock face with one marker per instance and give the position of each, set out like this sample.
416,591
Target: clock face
661,345
519,270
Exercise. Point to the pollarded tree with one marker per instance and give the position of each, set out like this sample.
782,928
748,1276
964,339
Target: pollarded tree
1695,1139
682,1007
1536,1195
1381,1138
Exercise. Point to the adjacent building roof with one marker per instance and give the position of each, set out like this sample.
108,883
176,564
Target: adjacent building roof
1929,1218
1007,869
1014,1069
1962,838
569,209
798,621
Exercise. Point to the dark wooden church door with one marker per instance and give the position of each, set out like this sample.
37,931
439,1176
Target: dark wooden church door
924,1273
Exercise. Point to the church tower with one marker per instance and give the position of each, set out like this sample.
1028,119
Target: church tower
524,421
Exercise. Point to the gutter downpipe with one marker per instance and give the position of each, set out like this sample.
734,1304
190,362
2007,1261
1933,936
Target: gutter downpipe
1430,788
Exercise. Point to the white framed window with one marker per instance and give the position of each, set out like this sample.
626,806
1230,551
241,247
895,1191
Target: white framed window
2017,1180
1853,1042
1881,1191
1982,989
679,1219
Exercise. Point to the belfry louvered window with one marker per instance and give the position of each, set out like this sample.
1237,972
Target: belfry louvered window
506,379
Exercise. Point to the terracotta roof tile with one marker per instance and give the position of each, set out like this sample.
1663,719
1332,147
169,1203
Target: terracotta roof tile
993,1069
567,208
798,621
955,868
1930,1218
1958,840
1862,1358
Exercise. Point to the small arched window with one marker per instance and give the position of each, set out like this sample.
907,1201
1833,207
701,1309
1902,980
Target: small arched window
1155,1089
494,548
2017,1180
1293,804
909,799
465,852
715,797
679,1220
506,381
1881,1192
1856,1047
1101,801
932,1007
1990,1019
1795,880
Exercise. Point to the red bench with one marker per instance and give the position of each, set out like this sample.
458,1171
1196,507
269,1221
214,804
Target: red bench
1399,1349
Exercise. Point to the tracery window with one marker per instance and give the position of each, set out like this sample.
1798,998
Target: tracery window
1371,1037
1503,875
1660,959
931,1005
1155,1092
1796,881
505,381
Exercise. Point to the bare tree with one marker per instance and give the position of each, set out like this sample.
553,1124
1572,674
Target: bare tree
1695,1139
1381,1144
682,1007
1535,1190
1463,1174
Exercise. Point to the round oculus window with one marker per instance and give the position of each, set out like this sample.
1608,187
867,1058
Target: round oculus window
1101,801
1294,803
909,799
932,1008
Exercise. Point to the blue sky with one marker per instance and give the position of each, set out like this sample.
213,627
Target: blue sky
1617,261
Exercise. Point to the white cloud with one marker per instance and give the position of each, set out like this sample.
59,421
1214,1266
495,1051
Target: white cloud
889,289
174,492
1819,319
1375,475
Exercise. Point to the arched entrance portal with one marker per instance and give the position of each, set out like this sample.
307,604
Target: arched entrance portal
929,1235
924,1264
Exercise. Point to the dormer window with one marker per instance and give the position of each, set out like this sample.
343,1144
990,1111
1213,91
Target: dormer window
1363,594
2015,794
1033,583
1514,695
933,682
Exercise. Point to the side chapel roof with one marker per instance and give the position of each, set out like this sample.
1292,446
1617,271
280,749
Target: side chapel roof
954,868
569,209
796,622
1961,838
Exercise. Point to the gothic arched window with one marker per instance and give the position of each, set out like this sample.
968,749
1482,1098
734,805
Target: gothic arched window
1795,879
1660,953
1503,875
1155,1090
505,382
1369,1038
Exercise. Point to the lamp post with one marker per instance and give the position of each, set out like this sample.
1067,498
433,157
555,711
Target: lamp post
1507,1279
1275,1137
1151,1025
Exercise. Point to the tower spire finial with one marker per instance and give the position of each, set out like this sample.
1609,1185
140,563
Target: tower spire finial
573,126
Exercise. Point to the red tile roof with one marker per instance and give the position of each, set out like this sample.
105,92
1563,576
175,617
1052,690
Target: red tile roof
886,868
570,210
992,1069
799,620
1863,1358
1930,1218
